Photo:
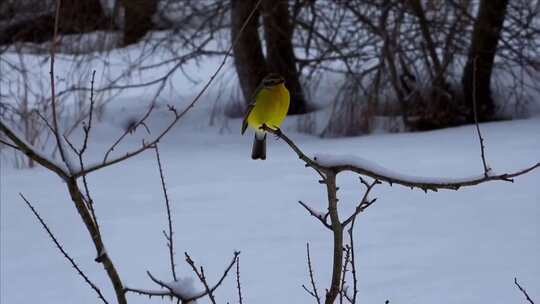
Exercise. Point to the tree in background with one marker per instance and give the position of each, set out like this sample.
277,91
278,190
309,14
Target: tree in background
137,19
411,63
250,63
477,74
33,21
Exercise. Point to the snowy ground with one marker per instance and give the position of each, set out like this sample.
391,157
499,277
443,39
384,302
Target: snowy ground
447,247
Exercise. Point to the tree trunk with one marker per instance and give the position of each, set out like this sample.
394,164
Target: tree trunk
137,19
278,31
477,73
248,55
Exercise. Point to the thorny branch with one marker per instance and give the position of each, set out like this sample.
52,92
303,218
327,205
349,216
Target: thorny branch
84,205
63,251
238,285
330,171
426,184
170,292
480,138
149,144
313,292
523,291
56,129
169,235
322,218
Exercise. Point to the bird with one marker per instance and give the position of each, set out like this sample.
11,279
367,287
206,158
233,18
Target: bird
269,106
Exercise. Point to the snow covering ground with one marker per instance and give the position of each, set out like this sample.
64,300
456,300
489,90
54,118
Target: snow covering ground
447,247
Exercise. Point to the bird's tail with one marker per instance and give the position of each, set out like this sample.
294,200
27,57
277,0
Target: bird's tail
259,146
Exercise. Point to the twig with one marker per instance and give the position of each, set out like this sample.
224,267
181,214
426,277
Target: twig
88,127
523,291
343,290
166,130
9,145
202,278
480,138
313,293
426,184
64,253
31,152
53,96
238,285
364,203
168,236
353,263
316,215
170,292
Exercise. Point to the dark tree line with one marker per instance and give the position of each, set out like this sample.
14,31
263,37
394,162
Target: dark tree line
427,62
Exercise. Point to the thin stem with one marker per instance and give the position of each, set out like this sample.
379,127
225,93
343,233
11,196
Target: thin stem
480,138
64,253
169,236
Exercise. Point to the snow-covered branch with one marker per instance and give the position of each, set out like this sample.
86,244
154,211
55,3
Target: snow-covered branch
183,289
356,164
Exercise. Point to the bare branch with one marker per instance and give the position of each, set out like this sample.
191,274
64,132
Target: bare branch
9,144
88,127
523,291
320,217
56,130
343,289
168,236
364,203
32,153
480,138
63,251
312,292
178,116
353,264
433,184
202,278
238,285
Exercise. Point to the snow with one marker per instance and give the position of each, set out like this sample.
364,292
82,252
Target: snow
330,160
461,246
448,247
185,287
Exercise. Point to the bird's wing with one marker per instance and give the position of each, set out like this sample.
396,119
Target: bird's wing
250,108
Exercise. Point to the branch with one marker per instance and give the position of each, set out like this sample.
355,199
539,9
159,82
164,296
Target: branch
177,117
172,292
364,203
64,253
9,144
480,138
169,236
343,289
326,163
523,291
313,293
32,153
202,278
317,215
56,130
238,285
353,264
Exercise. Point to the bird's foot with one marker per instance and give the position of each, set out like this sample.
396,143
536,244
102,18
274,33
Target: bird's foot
277,132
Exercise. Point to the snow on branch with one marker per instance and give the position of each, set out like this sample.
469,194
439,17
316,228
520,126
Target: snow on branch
34,153
183,289
340,163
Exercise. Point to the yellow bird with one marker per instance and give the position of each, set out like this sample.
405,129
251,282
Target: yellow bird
269,107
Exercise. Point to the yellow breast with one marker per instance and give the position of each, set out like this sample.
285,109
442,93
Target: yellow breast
271,107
